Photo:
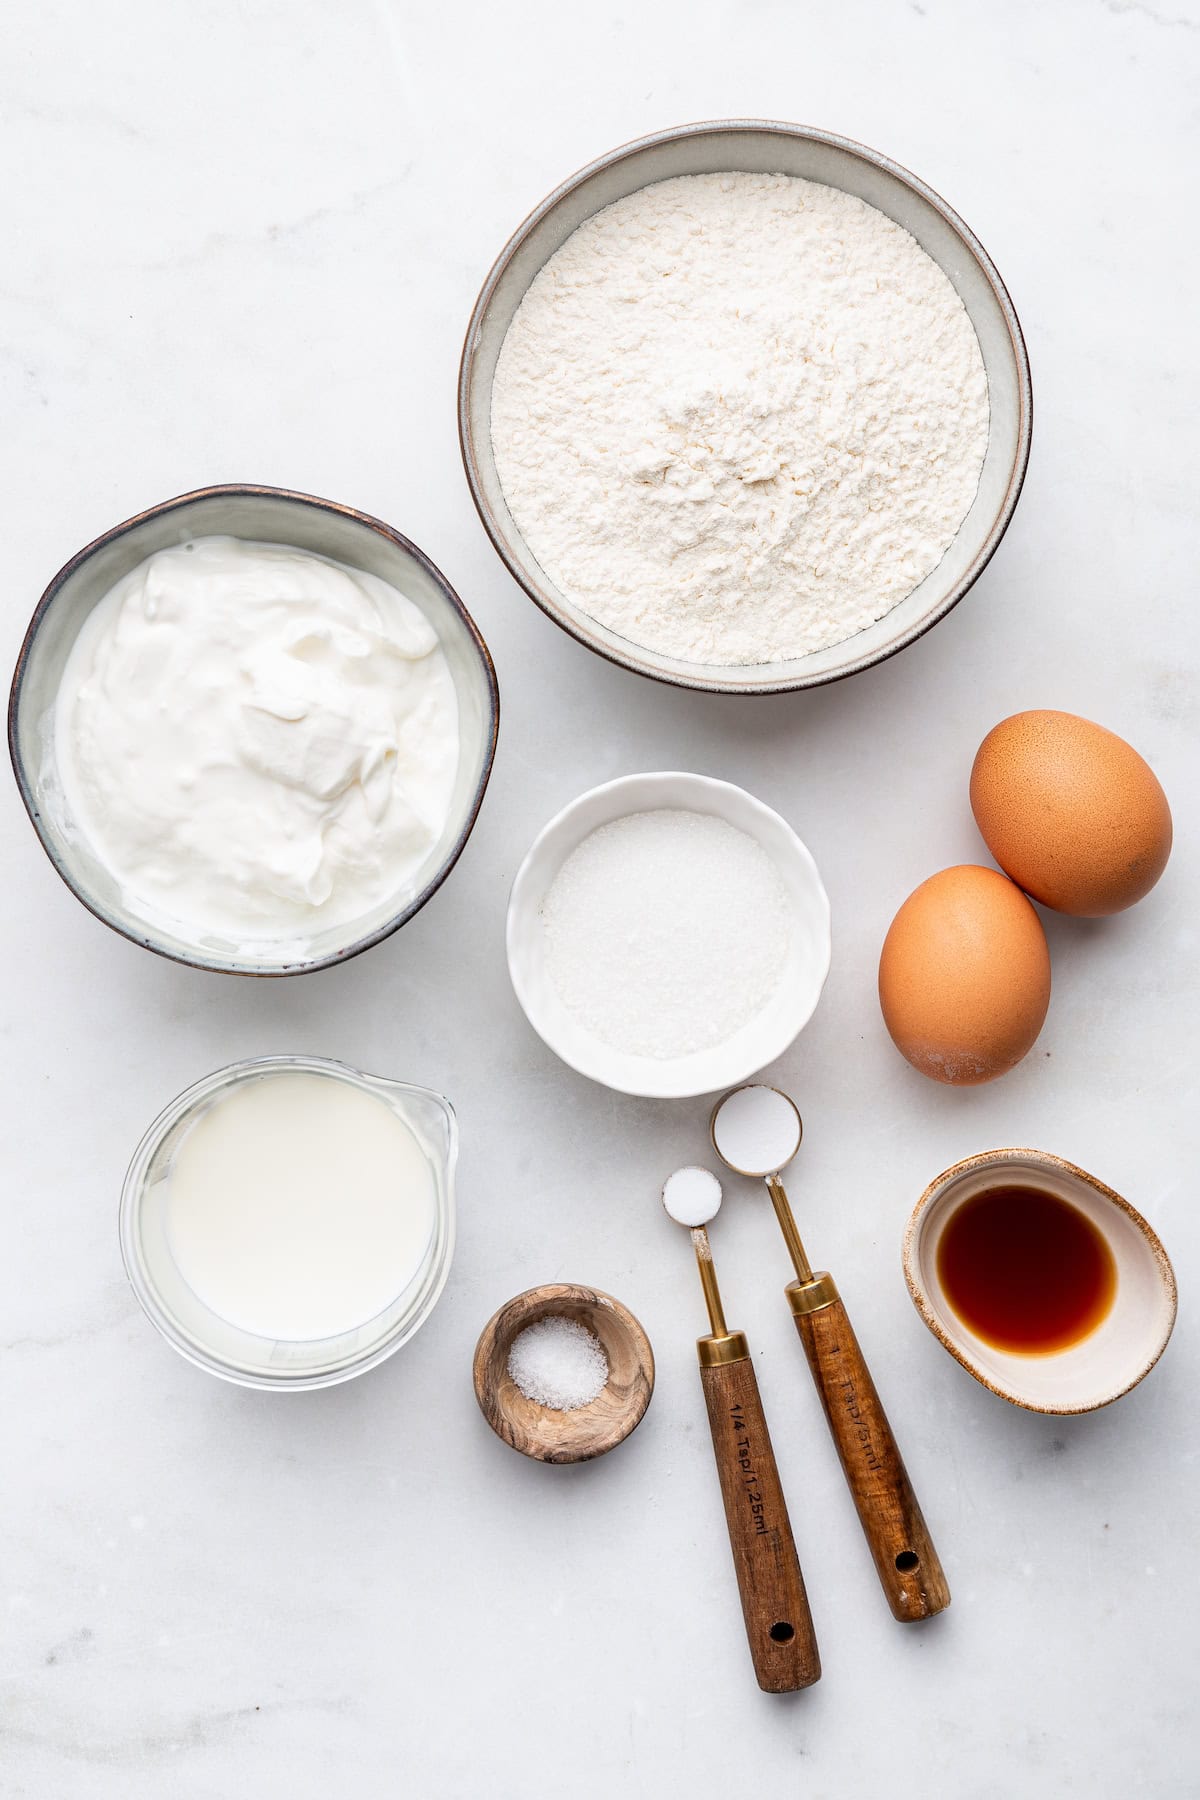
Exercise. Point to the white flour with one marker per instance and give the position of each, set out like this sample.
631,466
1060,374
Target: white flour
739,417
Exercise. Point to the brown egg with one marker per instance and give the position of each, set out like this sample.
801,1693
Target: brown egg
964,977
1071,812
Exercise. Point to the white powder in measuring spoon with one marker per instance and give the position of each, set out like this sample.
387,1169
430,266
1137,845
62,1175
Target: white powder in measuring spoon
738,417
666,932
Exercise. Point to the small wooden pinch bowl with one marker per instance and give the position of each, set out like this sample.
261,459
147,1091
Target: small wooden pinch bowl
541,1431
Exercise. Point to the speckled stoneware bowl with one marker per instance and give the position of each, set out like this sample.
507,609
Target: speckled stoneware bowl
762,146
1101,1367
267,515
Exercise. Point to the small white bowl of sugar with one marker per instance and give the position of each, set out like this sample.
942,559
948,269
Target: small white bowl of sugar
668,935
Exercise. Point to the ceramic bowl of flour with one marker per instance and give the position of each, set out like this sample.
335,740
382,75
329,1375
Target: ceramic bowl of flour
614,467
611,935
288,522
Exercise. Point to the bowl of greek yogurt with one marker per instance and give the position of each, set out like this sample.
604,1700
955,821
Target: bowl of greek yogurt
744,406
253,729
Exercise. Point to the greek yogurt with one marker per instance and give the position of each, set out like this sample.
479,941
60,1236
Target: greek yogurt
259,744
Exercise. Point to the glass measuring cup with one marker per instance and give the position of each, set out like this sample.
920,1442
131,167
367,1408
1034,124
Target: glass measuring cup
228,1350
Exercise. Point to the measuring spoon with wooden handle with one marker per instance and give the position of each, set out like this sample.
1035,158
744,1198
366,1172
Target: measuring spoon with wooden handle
779,1627
756,1131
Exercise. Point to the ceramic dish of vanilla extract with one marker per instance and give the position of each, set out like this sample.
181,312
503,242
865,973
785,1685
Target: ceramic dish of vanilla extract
1043,1282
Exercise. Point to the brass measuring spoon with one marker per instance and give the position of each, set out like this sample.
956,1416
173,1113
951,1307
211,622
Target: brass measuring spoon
779,1626
756,1131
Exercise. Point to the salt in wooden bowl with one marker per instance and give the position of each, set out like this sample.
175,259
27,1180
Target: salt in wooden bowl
587,1431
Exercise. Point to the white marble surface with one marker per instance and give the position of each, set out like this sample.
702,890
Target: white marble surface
241,242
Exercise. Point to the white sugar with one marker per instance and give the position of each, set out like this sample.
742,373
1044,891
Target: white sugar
558,1363
666,932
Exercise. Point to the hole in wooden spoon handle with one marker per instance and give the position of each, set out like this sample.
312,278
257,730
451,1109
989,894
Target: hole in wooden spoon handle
905,1559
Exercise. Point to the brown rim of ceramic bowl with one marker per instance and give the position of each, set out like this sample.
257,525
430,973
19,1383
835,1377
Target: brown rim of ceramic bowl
253,489
714,128
1046,1158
